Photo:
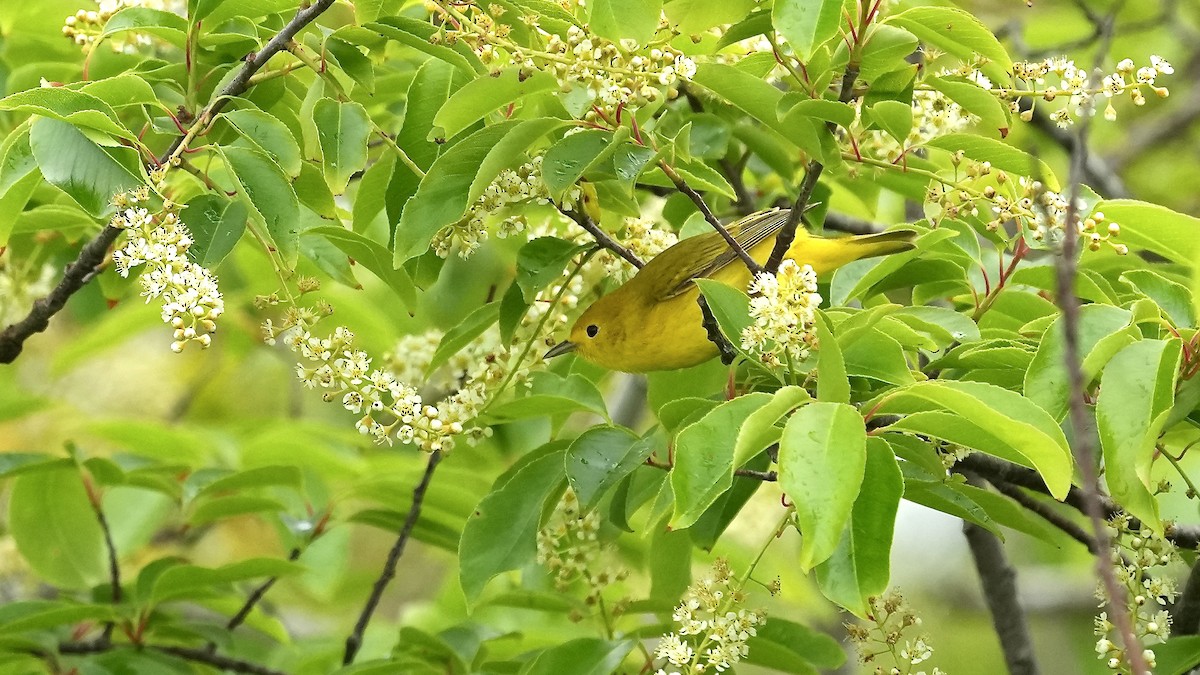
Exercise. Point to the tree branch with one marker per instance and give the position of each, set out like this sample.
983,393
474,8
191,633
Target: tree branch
682,186
1045,512
998,580
93,254
354,641
787,234
1185,618
187,653
601,237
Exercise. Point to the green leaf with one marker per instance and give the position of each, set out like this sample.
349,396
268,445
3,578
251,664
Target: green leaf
807,24
263,476
79,109
268,134
88,173
160,23
893,117
485,95
1047,382
985,417
354,63
793,648
1173,235
859,566
759,429
582,656
1175,299
731,308
189,581
52,522
841,114
833,384
457,338
216,224
267,189
552,395
999,154
600,458
744,91
541,261
1177,656
1137,391
416,33
371,255
960,34
500,535
704,457
35,615
567,160
696,16
620,19
994,116
457,178
342,130
219,508
822,458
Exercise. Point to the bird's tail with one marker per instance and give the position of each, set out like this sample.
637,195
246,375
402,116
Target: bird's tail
884,243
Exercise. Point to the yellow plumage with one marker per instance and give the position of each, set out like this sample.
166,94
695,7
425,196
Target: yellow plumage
654,322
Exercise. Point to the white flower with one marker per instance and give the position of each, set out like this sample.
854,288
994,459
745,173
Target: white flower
784,309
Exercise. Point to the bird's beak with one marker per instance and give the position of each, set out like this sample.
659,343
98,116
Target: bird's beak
564,347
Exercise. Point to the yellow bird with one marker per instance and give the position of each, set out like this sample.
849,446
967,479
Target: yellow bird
654,322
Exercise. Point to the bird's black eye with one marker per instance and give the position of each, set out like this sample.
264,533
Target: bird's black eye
592,330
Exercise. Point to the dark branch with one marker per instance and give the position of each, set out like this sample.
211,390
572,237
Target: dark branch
80,272
187,653
787,234
601,237
712,330
354,641
1185,618
999,583
682,186
1046,512
114,565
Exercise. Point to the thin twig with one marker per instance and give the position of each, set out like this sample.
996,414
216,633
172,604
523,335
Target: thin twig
998,580
698,200
787,234
114,565
1046,512
1083,446
187,653
601,237
81,270
354,641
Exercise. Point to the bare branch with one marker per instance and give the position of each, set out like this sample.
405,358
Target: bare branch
601,237
187,653
787,234
682,186
93,254
354,641
999,584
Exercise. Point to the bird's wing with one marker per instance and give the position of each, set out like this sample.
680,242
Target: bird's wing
715,253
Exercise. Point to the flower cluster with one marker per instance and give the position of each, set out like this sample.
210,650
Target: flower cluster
784,309
523,185
1139,558
191,301
933,114
569,547
1059,77
713,629
395,400
611,73
18,290
1041,212
389,408
884,637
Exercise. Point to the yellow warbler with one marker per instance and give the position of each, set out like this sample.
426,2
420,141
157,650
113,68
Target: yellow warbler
654,321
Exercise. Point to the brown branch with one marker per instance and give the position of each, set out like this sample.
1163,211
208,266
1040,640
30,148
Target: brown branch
1185,618
998,580
712,331
81,270
787,234
187,653
354,641
114,565
601,237
682,186
1046,512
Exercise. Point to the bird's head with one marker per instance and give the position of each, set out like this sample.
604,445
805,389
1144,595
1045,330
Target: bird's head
596,334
